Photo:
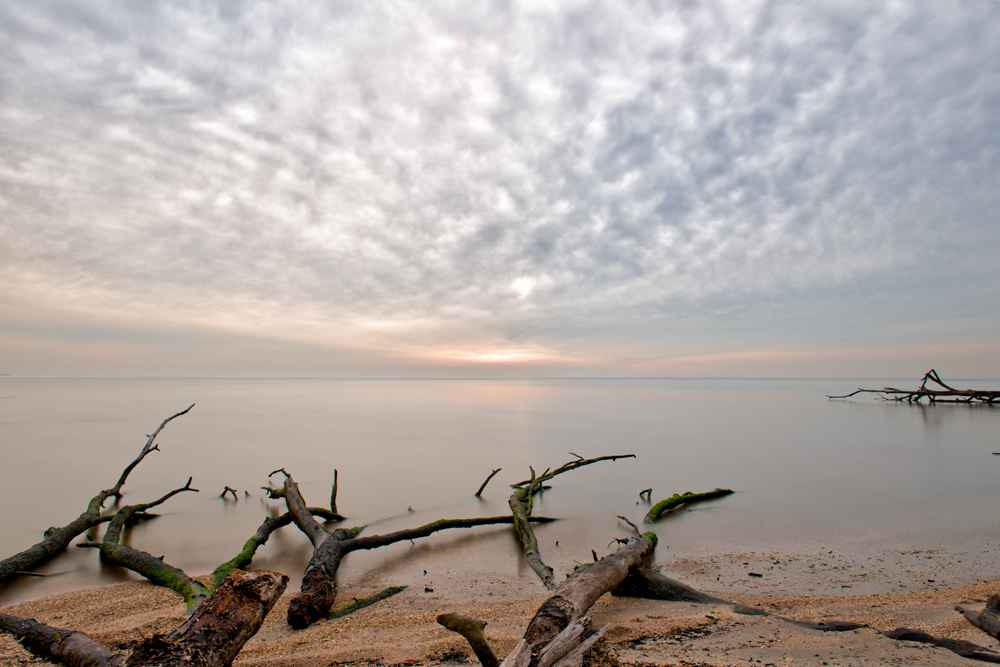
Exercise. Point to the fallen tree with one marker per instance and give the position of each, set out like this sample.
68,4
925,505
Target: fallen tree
211,637
57,539
522,502
319,589
946,394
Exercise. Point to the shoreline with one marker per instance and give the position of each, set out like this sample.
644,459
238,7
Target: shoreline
403,630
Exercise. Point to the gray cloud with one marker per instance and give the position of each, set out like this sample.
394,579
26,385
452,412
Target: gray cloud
629,165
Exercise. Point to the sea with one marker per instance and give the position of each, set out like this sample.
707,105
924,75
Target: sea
809,473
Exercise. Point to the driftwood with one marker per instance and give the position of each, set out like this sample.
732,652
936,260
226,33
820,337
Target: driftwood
211,637
482,486
521,504
560,631
681,499
961,647
319,590
141,562
947,394
987,620
57,539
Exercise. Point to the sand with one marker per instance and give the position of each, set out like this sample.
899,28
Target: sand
403,631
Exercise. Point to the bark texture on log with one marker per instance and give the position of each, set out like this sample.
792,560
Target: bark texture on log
216,632
62,647
579,593
987,620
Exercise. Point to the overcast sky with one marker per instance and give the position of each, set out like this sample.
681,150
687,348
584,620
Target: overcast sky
694,187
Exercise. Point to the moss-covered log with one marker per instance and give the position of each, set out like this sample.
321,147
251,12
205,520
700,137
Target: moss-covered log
57,539
681,499
143,563
521,503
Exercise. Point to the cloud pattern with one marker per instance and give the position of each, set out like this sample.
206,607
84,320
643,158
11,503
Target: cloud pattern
526,171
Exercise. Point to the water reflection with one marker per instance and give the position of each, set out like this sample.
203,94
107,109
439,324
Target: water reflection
809,470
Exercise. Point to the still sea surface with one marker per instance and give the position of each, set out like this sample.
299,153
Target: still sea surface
810,473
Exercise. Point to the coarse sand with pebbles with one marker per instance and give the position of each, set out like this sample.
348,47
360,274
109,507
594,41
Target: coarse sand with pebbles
402,630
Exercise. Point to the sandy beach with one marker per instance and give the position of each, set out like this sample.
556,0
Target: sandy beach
403,631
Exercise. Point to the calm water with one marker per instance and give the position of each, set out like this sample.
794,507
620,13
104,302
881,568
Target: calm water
810,472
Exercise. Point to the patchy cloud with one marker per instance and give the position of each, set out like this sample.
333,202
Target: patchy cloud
501,176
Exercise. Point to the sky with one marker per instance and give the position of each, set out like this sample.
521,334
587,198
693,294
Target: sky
500,189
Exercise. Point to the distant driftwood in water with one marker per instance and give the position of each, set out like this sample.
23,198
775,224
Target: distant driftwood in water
947,395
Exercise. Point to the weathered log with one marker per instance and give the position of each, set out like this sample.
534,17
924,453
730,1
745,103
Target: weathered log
987,620
244,558
215,633
559,630
579,593
57,539
144,563
680,499
521,502
318,591
947,395
59,646
962,648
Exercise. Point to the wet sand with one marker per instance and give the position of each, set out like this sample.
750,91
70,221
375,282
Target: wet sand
402,630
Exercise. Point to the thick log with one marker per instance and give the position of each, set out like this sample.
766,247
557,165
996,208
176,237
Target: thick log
244,558
59,646
216,632
579,593
559,630
960,647
987,620
681,499
57,539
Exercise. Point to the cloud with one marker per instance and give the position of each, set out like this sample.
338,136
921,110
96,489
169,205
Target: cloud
535,174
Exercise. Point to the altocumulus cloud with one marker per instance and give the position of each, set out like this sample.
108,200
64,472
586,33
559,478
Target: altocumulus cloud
537,178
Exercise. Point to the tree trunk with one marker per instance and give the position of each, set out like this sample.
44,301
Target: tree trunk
219,628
